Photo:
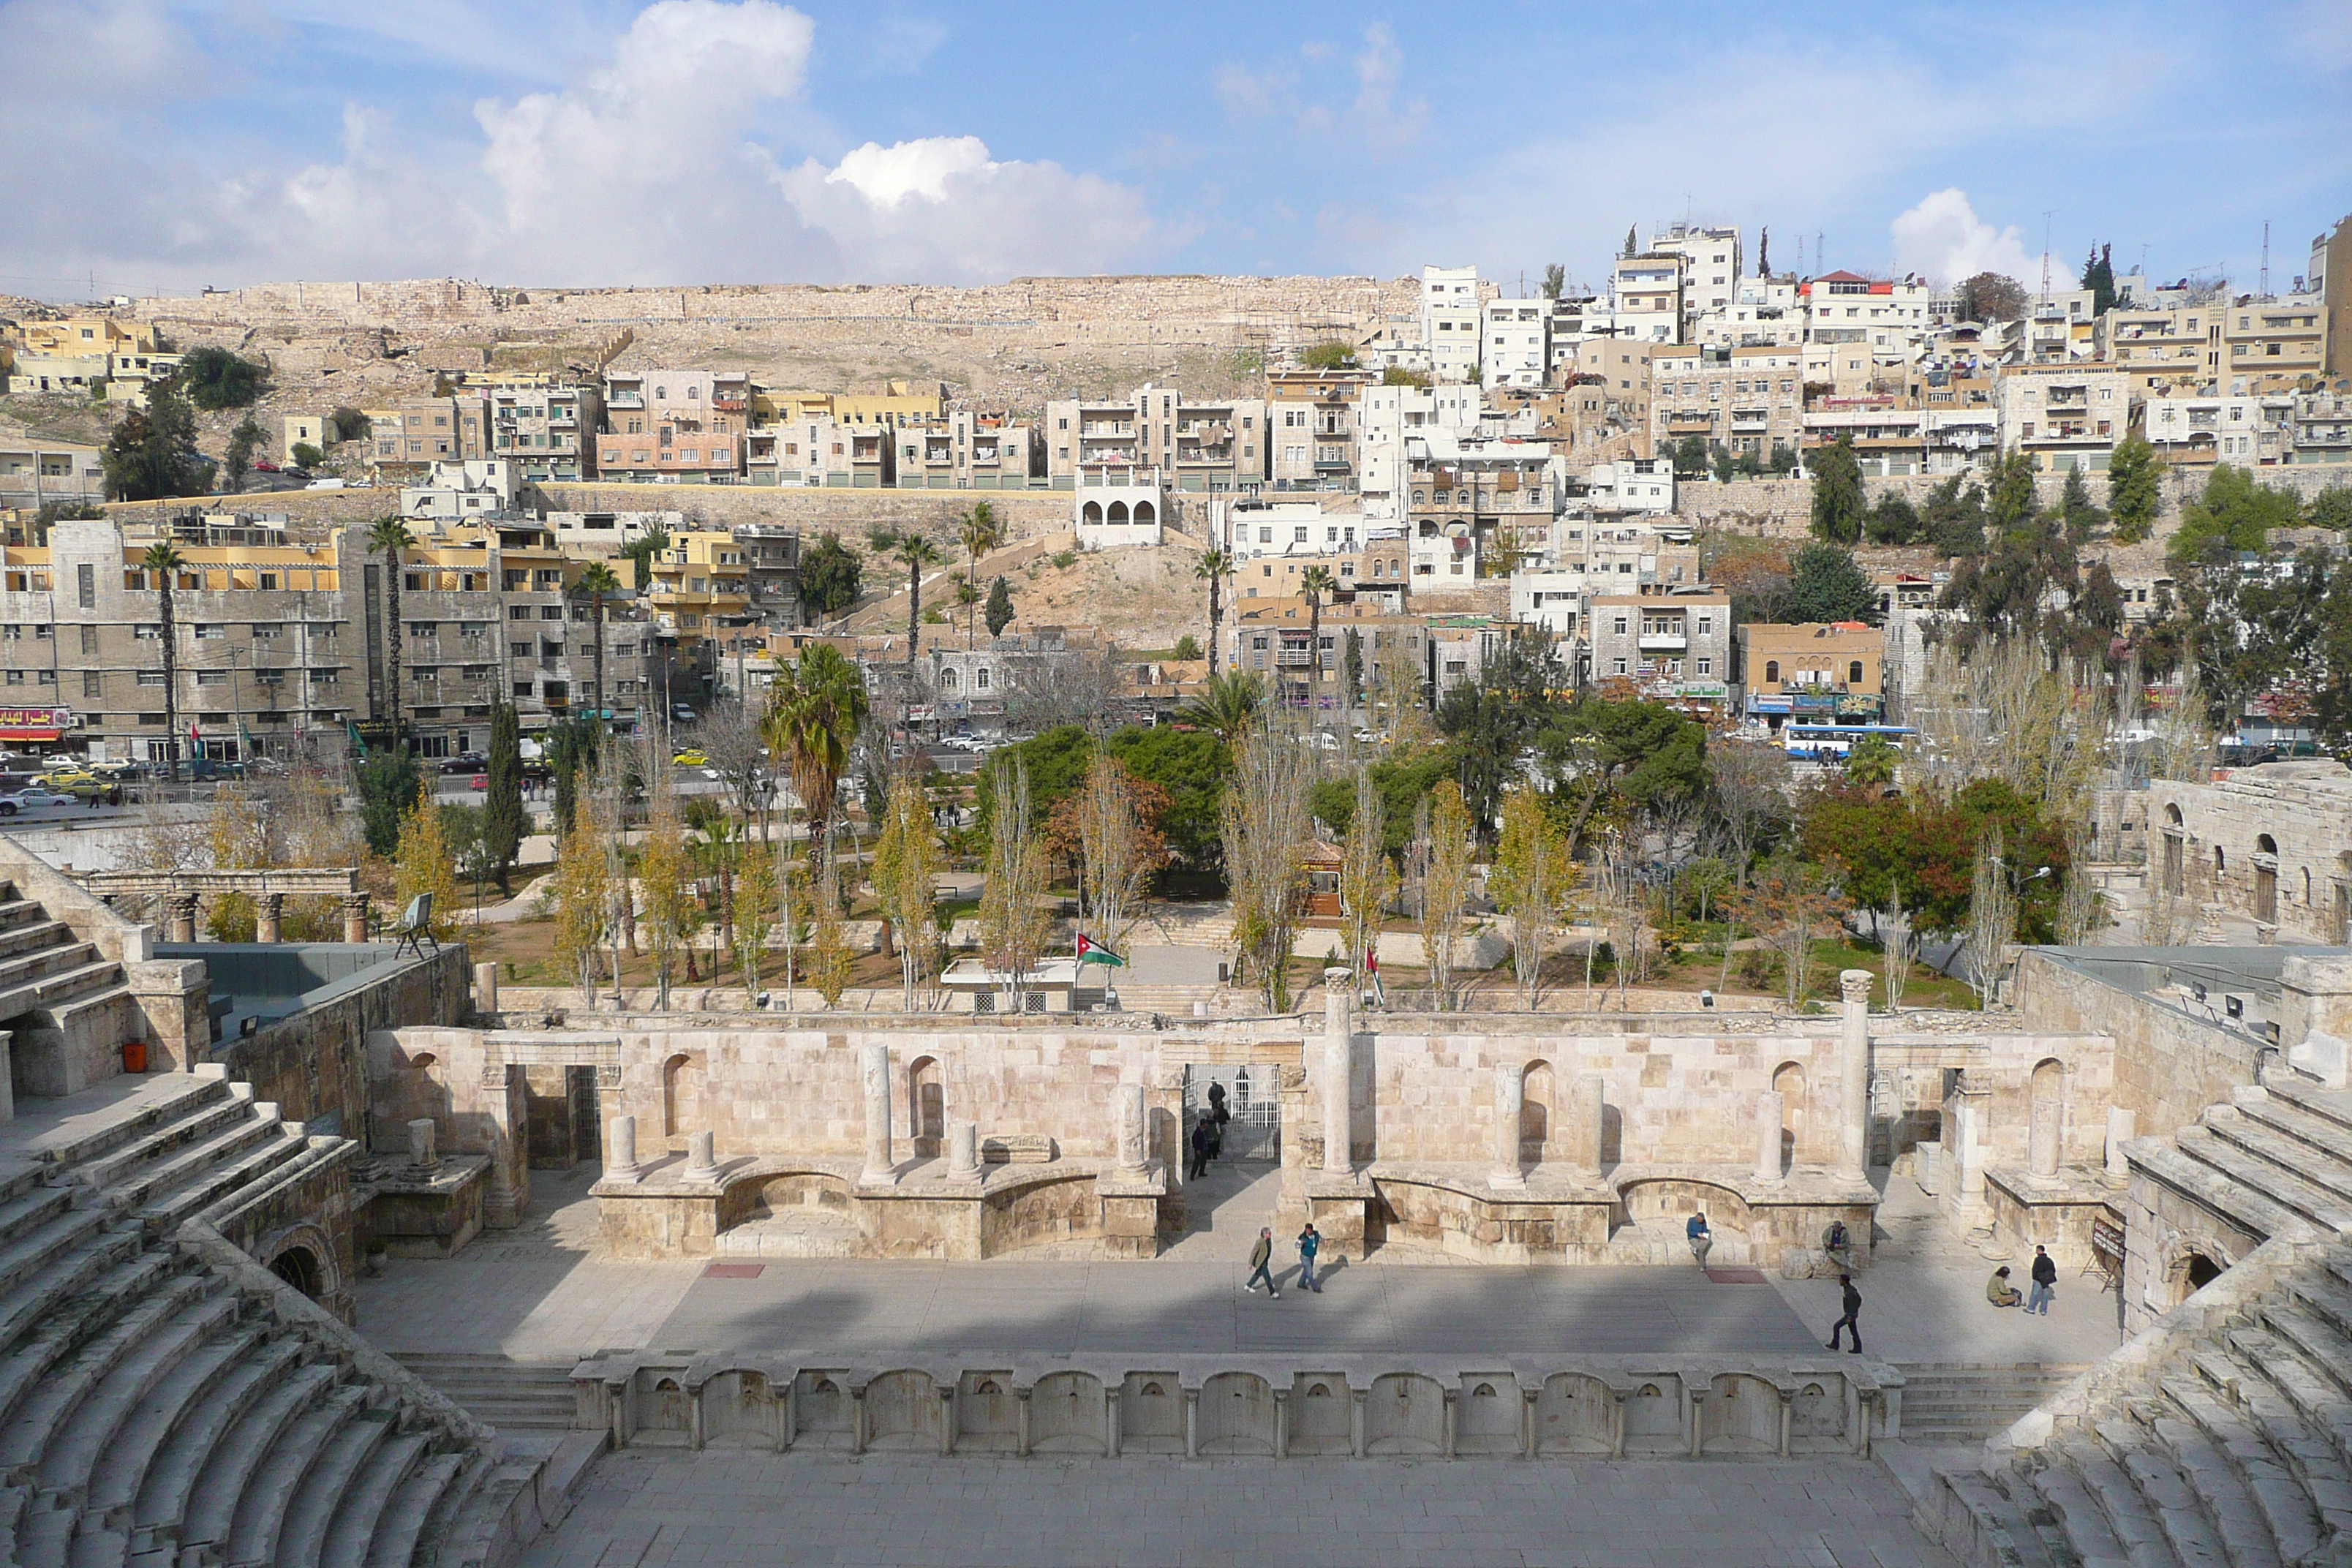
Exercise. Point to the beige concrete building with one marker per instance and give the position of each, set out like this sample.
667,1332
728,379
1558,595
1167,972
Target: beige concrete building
2063,415
1648,293
546,424
406,439
2166,349
1206,445
2272,344
1674,648
1312,427
1814,672
33,473
1744,400
966,449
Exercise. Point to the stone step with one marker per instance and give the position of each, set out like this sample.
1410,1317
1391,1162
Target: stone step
446,1520
2225,1499
248,1532
32,1208
2322,1168
205,1378
2331,1105
30,1258
401,1522
2317,1401
52,990
63,1282
170,1098
500,1391
359,1509
2167,1493
202,1121
27,928
1998,1520
2317,1341
174,1167
2280,1425
2276,1185
78,1314
2291,1119
23,968
338,1473
2201,1183
73,1449
53,1401
310,1154
88,1010
2131,1521
2060,1489
210,1499
475,1535
271,1381
2287,1512
211,1184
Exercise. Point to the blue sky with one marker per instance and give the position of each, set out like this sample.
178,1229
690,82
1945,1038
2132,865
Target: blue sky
547,142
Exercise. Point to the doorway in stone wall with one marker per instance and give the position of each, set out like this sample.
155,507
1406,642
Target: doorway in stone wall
1252,1104
587,1123
1225,1207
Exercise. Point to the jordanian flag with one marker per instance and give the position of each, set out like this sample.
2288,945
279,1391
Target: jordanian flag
1092,951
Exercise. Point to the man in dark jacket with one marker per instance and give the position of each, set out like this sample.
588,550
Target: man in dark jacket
1260,1261
1199,1149
1853,1311
2046,1282
1310,1242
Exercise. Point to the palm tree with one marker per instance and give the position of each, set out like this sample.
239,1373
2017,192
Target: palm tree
1226,707
597,580
1315,582
916,551
980,529
163,562
815,708
1214,565
391,536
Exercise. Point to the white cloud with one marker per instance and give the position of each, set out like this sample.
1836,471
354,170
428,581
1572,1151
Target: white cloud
1379,68
1943,240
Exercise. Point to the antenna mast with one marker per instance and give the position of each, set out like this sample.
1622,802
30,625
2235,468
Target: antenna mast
2267,258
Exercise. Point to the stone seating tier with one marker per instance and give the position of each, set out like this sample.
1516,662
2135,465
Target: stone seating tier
164,1399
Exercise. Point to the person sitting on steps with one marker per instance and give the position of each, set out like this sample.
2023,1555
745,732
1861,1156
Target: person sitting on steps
1697,1233
1998,1289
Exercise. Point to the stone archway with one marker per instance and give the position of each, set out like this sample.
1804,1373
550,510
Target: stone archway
305,1257
927,1117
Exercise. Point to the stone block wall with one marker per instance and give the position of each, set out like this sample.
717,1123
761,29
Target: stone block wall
2167,1066
313,1065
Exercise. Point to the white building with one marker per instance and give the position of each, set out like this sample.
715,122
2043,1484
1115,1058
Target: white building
2247,431
1449,320
1385,416
1516,347
1126,508
1711,262
1251,530
1551,598
1648,294
1631,484
466,487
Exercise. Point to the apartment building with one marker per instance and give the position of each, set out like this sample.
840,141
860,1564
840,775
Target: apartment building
1276,640
2322,425
2060,326
456,487
1619,369
771,562
698,587
1450,299
672,449
1476,502
1250,529
1631,484
2063,415
406,439
33,473
644,396
2273,344
1764,312
1647,291
603,535
85,356
1385,416
2330,278
1311,427
546,424
1674,648
2164,349
1748,400
965,450
1375,565
898,403
1515,344
1886,315
2198,432
819,450
1208,446
1891,434
1711,264
1813,672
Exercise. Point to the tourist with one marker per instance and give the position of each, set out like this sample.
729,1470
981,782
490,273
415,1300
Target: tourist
1840,1247
1847,1323
2046,1282
1200,1148
1309,1243
1215,1121
1700,1238
2000,1292
1262,1263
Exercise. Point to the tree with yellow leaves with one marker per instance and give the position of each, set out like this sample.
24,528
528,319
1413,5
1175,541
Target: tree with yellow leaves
831,961
906,872
1367,881
1532,880
583,902
424,863
1442,850
665,878
755,907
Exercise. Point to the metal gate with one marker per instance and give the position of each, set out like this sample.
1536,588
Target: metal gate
1253,1103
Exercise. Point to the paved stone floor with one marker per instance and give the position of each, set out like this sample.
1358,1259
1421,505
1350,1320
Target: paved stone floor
663,1508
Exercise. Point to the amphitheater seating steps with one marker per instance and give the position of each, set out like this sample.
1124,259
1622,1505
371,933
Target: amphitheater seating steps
45,970
1959,1402
163,1408
505,1392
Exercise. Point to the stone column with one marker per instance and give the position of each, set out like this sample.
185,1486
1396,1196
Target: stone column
421,1150
355,917
485,988
701,1157
181,919
2042,1147
1853,1076
1591,1115
621,1148
879,1167
1768,1136
1510,1096
1339,1083
1130,1103
963,1151
2121,1125
267,915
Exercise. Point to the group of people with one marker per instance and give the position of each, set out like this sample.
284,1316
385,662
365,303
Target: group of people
2044,1275
1310,1245
1835,1244
1209,1132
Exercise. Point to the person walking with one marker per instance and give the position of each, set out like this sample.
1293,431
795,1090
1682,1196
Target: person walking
1199,1149
2046,1282
1847,1324
1261,1264
1216,1118
1310,1242
1699,1236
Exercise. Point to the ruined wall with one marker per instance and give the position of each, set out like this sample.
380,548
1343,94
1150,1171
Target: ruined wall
2169,1066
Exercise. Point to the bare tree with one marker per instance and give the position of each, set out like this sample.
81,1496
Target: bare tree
1049,688
1748,797
1012,917
1898,945
1445,884
732,735
906,873
1993,917
1266,829
1118,849
1367,881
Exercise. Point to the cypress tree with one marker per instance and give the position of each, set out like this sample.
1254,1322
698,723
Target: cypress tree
503,819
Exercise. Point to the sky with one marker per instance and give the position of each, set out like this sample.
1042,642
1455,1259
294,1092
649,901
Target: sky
166,145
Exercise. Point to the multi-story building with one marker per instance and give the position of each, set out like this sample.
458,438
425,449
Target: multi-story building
1674,648
33,473
1476,504
1249,530
1450,298
771,562
1514,345
1647,290
1814,672
1311,425
1765,312
603,535
1376,566
1619,368
1386,415
698,587
546,424
2060,326
899,401
2330,278
2164,349
2323,425
406,439
86,355
673,447
1748,400
1631,484
2273,344
819,450
1860,330
965,450
2251,432
2063,415
1711,263
1891,434
1201,444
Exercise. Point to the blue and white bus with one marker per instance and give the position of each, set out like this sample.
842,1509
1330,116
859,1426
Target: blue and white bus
1830,743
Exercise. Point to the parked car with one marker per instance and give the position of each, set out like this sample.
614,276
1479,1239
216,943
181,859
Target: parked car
690,758
32,800
481,780
680,713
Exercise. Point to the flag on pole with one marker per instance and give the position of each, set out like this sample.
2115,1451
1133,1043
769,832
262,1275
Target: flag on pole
1092,951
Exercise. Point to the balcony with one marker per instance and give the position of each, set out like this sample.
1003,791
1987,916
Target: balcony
1663,641
625,400
727,403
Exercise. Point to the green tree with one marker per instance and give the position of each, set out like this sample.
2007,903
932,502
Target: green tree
1990,297
151,455
906,867
914,550
163,562
570,752
391,536
1329,354
1827,584
2099,278
306,456
596,584
2134,480
1532,879
1000,612
2077,512
2234,512
350,424
2012,505
644,551
830,574
1690,457
2331,508
815,709
389,784
1351,668
1838,504
1555,278
1186,649
216,379
425,862
1645,752
242,442
1893,520
1953,517
1401,782
1211,568
1316,584
1491,722
504,822
1189,768
1873,761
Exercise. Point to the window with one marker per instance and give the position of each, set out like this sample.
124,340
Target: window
212,677
151,630
212,633
980,678
151,678
1617,626
326,676
86,586
1772,670
1706,667
1853,673
1619,667
518,611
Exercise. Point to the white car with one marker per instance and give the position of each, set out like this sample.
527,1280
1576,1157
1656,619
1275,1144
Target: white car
32,800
